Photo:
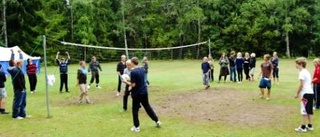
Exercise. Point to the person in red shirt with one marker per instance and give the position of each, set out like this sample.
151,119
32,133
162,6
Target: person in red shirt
316,82
32,75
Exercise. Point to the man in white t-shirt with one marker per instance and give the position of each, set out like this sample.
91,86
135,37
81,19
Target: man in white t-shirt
306,93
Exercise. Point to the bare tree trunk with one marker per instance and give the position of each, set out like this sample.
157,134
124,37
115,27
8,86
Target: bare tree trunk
4,28
287,45
199,33
124,29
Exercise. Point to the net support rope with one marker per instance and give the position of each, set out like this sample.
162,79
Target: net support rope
132,49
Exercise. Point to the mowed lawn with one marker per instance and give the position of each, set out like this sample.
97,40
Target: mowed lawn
104,119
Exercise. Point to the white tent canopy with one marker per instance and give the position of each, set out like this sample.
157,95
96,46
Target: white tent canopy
5,54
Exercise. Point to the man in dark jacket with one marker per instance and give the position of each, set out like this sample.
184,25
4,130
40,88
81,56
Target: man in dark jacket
19,88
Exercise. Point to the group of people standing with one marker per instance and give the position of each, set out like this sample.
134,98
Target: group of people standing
235,65
18,83
136,85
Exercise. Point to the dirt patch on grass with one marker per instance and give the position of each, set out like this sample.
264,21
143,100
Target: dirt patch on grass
225,106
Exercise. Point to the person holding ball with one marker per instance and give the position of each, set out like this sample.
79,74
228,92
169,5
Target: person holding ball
139,94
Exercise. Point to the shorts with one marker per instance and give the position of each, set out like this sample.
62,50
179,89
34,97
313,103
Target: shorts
251,72
265,83
307,104
83,88
3,93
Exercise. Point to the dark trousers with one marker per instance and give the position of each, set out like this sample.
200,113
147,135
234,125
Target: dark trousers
143,99
240,75
125,98
119,84
246,72
64,80
32,81
19,104
94,75
211,76
316,89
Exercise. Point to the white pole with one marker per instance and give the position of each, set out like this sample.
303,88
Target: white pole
45,73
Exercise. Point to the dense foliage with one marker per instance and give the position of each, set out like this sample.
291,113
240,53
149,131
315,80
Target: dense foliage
260,26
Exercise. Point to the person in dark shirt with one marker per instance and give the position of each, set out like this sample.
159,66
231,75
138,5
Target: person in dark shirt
246,65
145,66
205,67
94,67
275,63
120,67
211,63
32,75
82,82
19,88
63,67
252,65
223,62
266,72
3,92
139,94
239,66
232,61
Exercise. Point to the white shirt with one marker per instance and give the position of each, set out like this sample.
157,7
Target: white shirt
305,75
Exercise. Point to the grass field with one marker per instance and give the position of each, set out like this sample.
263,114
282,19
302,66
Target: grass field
169,81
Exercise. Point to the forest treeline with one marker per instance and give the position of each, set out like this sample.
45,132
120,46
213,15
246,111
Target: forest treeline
290,27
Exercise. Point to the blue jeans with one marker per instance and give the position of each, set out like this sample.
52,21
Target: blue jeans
146,78
233,74
19,104
316,90
205,79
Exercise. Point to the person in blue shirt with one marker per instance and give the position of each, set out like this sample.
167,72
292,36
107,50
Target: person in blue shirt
239,66
63,68
3,92
139,94
205,66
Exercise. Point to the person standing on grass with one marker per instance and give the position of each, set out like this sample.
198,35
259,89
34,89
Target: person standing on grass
145,66
120,67
223,62
127,71
63,67
252,66
246,65
32,75
239,66
3,92
19,88
306,94
232,61
265,80
94,67
211,63
139,94
205,66
82,82
316,83
275,63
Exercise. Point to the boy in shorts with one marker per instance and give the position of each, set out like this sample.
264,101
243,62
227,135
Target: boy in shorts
266,71
3,93
306,94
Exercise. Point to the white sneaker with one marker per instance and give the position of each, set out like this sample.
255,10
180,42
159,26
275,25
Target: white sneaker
299,129
18,118
118,94
98,87
32,92
309,128
158,124
135,129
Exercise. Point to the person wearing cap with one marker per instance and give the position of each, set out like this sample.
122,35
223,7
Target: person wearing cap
3,93
63,67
